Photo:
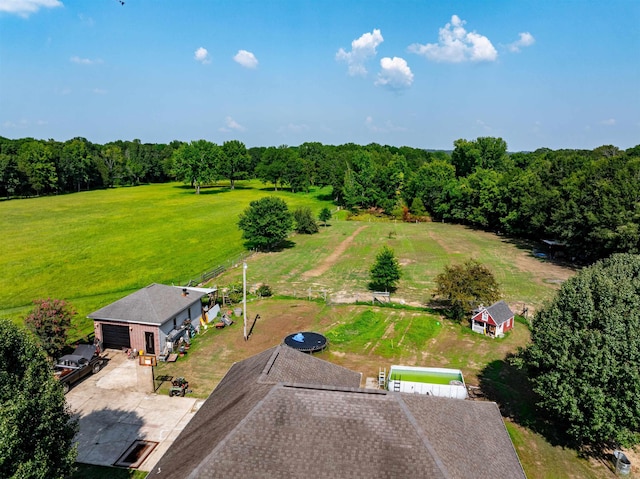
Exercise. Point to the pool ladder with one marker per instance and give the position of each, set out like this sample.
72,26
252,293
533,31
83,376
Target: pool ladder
396,384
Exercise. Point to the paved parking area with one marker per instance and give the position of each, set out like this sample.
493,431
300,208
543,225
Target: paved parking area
115,408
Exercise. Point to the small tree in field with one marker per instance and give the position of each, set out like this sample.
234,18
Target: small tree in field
417,207
325,215
50,320
266,223
385,272
305,222
37,427
466,286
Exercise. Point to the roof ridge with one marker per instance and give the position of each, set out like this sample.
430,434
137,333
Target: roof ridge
340,389
270,362
152,304
422,435
235,430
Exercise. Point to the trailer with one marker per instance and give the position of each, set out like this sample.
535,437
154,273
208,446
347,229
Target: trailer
440,382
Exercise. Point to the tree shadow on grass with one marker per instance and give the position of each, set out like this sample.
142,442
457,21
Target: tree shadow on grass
283,245
508,386
207,190
325,197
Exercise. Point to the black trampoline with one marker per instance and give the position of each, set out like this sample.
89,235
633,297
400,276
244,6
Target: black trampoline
306,341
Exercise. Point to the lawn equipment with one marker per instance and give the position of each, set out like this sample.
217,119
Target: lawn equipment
179,387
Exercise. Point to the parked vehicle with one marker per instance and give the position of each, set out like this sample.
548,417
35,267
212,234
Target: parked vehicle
71,368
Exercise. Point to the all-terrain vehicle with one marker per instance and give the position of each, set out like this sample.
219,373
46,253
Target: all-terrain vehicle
179,387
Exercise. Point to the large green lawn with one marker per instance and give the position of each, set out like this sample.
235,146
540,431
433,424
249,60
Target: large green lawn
422,249
94,247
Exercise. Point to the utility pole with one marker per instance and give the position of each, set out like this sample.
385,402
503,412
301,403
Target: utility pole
244,298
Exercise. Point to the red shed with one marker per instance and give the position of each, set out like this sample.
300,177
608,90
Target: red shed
493,321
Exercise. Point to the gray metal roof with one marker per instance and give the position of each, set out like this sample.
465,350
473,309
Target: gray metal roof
155,304
500,312
251,426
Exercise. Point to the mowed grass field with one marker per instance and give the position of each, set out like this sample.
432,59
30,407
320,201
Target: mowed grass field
423,250
95,247
366,338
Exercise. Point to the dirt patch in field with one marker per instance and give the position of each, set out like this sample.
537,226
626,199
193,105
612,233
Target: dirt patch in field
333,257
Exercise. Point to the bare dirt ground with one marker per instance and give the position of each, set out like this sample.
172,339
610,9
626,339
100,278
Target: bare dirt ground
543,271
333,257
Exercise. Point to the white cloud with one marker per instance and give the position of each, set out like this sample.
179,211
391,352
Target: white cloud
232,125
386,128
525,40
484,126
99,91
456,45
362,49
395,74
246,59
24,8
293,128
88,21
202,55
19,124
84,61
608,122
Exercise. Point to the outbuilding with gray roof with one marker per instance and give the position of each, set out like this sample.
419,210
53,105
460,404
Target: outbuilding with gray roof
144,320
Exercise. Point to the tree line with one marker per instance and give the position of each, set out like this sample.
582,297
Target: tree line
586,200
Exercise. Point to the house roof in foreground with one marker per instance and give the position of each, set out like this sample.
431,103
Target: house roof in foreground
255,424
154,304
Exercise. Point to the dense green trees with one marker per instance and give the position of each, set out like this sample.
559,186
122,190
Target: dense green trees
196,163
585,351
586,199
266,223
35,159
34,167
385,271
234,162
464,287
272,165
36,426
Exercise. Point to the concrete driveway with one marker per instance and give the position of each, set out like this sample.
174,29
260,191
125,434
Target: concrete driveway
115,408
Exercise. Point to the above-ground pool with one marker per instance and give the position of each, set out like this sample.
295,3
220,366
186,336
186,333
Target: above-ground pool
431,381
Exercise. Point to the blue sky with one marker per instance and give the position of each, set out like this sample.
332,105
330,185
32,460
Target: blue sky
555,74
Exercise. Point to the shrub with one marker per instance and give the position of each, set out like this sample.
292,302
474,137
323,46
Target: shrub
305,222
264,291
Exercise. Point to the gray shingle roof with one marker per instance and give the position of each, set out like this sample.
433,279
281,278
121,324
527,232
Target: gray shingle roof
500,312
155,304
290,366
252,426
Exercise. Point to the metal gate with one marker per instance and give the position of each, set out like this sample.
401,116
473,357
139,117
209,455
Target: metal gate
115,337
